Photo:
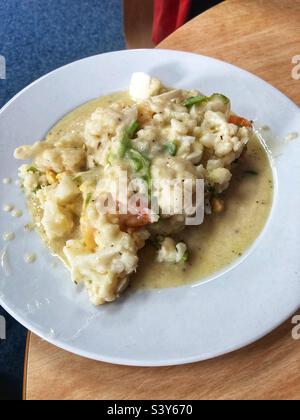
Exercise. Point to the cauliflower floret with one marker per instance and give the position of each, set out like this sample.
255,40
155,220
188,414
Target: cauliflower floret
148,141
57,221
30,179
50,159
148,134
171,252
185,118
59,202
214,164
102,125
139,236
178,128
73,160
112,235
67,190
221,177
106,271
142,86
219,135
101,273
105,257
190,149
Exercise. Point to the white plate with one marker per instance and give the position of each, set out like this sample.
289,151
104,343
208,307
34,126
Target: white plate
151,328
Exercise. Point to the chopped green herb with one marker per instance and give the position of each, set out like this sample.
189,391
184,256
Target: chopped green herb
198,100
171,148
124,145
138,161
132,129
194,100
128,135
141,164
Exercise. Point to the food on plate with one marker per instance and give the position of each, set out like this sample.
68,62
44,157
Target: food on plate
152,134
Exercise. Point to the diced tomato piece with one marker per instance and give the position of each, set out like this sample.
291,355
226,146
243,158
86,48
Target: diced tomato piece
240,121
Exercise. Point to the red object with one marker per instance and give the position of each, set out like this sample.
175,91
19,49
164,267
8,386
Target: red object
169,15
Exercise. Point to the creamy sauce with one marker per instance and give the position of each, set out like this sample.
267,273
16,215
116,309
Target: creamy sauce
221,240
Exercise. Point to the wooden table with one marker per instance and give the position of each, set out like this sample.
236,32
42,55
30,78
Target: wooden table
261,36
